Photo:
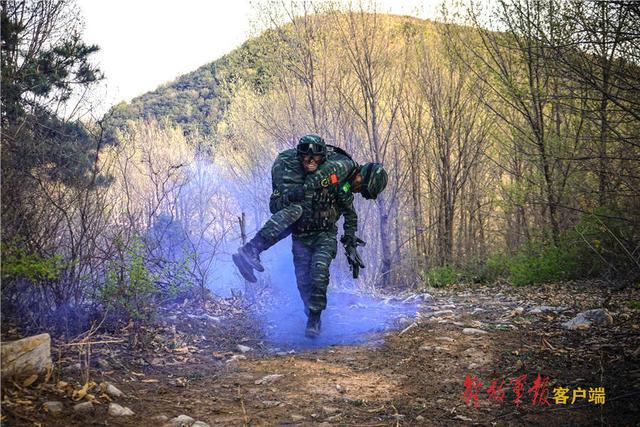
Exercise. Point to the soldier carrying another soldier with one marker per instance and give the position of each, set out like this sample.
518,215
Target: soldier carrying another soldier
313,186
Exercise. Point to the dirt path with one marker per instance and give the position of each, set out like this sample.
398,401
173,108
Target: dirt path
411,376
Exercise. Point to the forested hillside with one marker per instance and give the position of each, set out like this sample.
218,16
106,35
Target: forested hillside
196,101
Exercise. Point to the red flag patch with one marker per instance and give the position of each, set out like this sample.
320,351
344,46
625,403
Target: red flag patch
333,178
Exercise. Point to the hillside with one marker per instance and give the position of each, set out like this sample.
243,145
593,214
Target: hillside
197,100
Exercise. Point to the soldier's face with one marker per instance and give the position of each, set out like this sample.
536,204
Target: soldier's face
310,163
357,183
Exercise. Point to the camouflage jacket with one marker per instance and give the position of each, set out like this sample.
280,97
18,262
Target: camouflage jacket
328,194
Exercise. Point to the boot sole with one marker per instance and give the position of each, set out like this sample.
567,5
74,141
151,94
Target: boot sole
244,269
248,260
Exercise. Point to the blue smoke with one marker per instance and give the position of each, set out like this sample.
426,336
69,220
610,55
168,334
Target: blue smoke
350,317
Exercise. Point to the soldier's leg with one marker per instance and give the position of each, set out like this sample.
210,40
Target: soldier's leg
324,251
302,262
274,230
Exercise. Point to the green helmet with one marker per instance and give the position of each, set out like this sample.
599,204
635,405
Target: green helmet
312,145
374,180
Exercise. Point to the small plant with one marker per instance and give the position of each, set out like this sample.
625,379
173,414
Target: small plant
129,287
634,305
442,276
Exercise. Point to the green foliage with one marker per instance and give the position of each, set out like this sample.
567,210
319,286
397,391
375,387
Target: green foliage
538,264
129,287
634,305
442,276
18,263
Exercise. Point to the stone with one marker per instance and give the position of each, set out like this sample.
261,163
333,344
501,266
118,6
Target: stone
53,407
419,418
116,410
243,348
473,331
160,418
26,357
103,364
83,408
269,379
181,421
584,320
442,313
111,390
329,410
236,357
447,339
545,309
296,418
270,403
200,424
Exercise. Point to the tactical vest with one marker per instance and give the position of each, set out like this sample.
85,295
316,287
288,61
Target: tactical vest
323,212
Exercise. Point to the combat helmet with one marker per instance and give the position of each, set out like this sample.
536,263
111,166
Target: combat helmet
374,180
312,145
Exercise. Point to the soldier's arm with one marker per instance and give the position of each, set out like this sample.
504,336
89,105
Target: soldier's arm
341,168
278,199
345,207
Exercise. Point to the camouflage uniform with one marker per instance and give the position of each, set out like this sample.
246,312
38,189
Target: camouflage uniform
312,222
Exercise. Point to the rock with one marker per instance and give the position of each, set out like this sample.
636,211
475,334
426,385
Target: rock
200,424
159,418
270,403
53,407
236,357
26,357
478,310
103,364
340,389
116,410
442,313
447,339
473,331
83,408
545,309
111,390
419,418
598,316
269,379
296,418
518,311
243,348
181,421
329,410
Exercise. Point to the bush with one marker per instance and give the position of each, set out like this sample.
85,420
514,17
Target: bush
17,263
543,264
129,288
442,276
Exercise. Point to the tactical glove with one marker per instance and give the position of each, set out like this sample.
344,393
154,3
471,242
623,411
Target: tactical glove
351,244
296,194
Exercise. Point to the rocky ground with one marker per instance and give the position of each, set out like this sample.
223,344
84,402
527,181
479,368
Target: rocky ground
214,367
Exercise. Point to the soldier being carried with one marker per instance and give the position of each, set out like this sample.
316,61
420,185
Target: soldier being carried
313,186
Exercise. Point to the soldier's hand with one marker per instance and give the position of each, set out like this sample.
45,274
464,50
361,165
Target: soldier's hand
296,194
351,244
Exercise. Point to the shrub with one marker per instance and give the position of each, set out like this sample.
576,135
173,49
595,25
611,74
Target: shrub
537,264
442,276
129,288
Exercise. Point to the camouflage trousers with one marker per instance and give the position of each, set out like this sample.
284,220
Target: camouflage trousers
279,225
312,256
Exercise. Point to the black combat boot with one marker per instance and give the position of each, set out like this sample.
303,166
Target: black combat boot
313,324
251,252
